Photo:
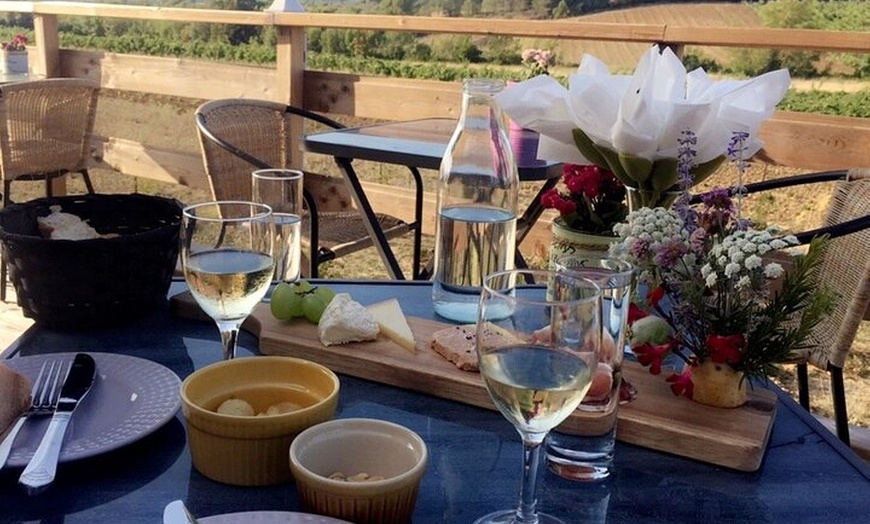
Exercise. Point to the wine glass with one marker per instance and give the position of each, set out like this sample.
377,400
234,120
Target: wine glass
226,253
537,362
281,189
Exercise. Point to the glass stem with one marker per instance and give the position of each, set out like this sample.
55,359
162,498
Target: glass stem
527,512
229,336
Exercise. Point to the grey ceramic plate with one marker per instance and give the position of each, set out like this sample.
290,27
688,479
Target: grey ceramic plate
131,398
270,517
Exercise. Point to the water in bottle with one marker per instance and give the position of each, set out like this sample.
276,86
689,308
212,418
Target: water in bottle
476,202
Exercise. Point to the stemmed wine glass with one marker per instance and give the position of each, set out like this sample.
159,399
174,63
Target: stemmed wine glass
226,253
537,362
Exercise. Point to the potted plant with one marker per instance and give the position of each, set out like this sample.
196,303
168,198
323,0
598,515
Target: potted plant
590,201
14,56
709,303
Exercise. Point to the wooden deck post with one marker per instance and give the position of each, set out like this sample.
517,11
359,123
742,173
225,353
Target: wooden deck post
47,46
47,65
290,54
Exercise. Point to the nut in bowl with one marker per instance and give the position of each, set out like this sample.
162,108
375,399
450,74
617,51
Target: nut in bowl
251,449
386,459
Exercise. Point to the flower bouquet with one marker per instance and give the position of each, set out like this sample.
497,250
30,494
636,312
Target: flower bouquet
709,302
593,203
631,124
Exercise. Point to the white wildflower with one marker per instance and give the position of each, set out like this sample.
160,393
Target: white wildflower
744,282
753,262
773,270
777,243
710,279
732,269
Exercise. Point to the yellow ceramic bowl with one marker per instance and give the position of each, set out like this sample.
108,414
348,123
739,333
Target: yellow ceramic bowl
351,447
252,450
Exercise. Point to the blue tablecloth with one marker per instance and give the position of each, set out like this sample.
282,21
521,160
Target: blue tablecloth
807,475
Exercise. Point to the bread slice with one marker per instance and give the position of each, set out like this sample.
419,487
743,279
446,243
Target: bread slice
457,344
58,225
14,397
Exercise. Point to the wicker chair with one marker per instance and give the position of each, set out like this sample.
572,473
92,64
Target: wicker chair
45,133
240,135
845,269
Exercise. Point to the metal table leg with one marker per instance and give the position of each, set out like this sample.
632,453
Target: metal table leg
529,218
371,221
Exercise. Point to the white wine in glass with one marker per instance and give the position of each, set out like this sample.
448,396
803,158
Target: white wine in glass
226,253
541,363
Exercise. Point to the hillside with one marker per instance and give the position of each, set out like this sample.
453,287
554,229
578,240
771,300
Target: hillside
624,56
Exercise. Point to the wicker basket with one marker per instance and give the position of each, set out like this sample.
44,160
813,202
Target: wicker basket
65,284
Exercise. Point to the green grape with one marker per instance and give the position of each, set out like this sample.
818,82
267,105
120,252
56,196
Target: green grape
285,303
324,293
302,286
315,301
312,307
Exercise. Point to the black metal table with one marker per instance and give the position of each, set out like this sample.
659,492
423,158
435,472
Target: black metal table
807,476
417,144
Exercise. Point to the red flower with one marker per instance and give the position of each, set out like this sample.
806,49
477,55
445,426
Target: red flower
635,313
725,349
652,354
682,384
655,296
591,201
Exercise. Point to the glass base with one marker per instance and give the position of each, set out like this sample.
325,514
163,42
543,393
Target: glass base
509,516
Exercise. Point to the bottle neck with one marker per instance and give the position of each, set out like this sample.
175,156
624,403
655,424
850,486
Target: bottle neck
478,106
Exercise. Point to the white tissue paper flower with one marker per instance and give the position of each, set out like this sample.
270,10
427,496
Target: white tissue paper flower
631,124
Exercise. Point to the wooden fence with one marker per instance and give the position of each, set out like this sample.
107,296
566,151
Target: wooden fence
807,141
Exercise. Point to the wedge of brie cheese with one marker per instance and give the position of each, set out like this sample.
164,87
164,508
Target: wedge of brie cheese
391,320
346,320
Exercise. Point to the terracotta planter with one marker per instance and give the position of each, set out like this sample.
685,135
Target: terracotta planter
567,241
718,385
13,62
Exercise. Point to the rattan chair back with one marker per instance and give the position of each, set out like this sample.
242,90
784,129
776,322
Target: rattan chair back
45,133
46,130
846,269
238,136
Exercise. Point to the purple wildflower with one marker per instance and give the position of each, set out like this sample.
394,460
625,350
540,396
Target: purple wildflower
639,248
670,252
686,153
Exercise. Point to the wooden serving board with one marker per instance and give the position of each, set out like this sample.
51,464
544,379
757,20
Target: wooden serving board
656,419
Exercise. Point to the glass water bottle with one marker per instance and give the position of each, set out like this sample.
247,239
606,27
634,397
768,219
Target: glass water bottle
475,234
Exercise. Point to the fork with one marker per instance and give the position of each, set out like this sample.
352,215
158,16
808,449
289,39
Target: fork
43,400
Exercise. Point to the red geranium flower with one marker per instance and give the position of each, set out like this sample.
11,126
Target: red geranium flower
652,354
635,313
594,201
682,384
655,296
726,349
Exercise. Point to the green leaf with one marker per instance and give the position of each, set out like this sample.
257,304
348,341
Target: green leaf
665,175
637,168
588,148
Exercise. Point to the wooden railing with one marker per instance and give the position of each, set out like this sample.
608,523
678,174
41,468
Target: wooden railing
792,139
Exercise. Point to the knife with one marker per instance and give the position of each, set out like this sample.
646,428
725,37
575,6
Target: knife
40,472
176,513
